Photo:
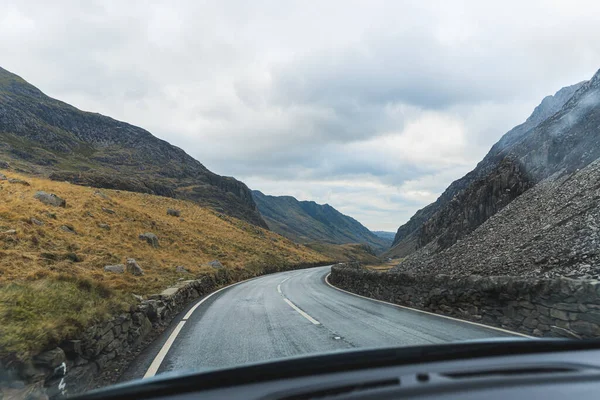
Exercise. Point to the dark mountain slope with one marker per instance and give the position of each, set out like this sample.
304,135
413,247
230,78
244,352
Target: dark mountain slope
550,227
497,180
389,236
307,221
551,230
42,135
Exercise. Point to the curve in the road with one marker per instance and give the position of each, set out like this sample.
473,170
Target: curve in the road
293,313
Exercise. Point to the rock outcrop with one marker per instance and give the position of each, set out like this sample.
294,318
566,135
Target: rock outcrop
50,199
133,267
551,230
150,238
525,155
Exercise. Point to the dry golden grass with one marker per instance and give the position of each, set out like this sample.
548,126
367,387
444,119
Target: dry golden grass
47,260
386,266
346,252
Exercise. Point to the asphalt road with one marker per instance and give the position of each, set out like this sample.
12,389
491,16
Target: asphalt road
294,313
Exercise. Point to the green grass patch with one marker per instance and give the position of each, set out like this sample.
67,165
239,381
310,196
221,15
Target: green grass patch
39,314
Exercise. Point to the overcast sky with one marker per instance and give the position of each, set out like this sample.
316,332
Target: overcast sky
374,107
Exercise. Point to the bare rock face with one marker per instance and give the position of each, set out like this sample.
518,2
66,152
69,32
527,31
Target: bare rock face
551,230
50,199
133,267
524,156
216,264
150,238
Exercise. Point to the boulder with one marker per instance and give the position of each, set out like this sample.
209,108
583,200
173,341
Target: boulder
68,229
100,194
4,165
151,238
173,212
133,267
117,269
50,359
50,199
181,269
34,221
108,210
216,264
2,177
18,181
104,226
10,232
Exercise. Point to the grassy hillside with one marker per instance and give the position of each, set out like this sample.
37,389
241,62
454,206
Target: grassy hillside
346,252
53,282
307,221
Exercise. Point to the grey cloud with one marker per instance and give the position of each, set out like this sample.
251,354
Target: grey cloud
372,106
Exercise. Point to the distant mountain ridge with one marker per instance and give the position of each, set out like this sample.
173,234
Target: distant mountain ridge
503,175
385,235
307,221
45,136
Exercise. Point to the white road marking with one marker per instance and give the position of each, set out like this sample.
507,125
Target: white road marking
305,315
163,352
427,312
165,348
189,313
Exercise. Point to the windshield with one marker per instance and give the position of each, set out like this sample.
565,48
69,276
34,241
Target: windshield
186,186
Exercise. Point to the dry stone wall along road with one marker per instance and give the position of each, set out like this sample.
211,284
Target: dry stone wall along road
290,314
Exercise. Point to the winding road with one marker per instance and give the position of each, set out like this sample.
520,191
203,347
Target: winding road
289,314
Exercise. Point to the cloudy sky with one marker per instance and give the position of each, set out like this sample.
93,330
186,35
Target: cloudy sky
371,106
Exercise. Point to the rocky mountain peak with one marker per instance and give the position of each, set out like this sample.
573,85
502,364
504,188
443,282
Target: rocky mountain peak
523,156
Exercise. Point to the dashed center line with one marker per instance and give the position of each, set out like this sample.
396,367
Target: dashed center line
295,307
305,315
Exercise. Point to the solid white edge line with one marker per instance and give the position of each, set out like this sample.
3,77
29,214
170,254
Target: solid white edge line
165,348
305,315
163,351
189,313
279,288
427,312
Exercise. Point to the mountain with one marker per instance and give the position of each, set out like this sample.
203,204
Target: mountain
503,175
307,221
532,209
389,236
47,137
549,231
52,259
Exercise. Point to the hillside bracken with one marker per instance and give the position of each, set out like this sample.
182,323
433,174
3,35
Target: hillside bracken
52,259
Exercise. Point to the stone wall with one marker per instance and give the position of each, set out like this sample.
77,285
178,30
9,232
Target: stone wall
539,307
77,364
